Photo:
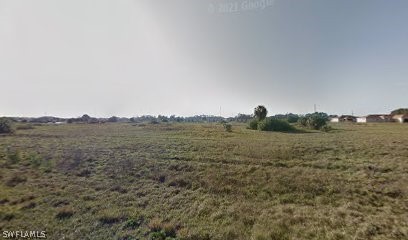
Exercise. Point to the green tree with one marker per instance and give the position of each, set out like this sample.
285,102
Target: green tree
6,125
85,118
260,112
400,111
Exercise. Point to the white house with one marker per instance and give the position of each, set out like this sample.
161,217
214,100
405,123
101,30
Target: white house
361,119
347,118
374,118
402,118
334,119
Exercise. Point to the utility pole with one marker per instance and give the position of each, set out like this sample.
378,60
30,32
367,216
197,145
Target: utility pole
315,110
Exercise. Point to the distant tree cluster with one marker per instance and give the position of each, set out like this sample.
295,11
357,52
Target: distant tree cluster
290,117
85,119
174,118
46,119
113,119
241,118
400,111
146,119
258,120
282,122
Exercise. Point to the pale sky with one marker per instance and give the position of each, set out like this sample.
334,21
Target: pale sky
187,57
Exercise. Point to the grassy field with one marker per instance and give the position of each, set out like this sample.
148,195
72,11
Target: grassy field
196,181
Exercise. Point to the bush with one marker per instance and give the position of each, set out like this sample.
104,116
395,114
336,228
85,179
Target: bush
157,236
65,212
292,118
109,217
155,224
133,223
13,156
227,127
253,124
277,125
6,125
314,121
326,128
303,121
170,229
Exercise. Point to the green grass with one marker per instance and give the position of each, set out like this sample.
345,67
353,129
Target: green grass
197,181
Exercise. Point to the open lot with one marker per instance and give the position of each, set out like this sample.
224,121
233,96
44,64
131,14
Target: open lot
196,181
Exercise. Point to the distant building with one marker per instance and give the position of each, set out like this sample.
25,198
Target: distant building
334,119
347,118
374,118
402,118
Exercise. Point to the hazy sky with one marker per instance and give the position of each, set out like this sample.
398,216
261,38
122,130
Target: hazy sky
186,57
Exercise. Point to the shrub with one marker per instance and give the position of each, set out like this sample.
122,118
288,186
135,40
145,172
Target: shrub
292,118
133,223
277,125
109,217
29,205
157,236
65,212
303,121
227,127
155,224
170,229
13,156
314,121
6,125
6,216
35,160
180,182
326,128
253,124
263,125
161,230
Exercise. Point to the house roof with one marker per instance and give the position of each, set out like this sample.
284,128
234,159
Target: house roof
347,116
379,115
